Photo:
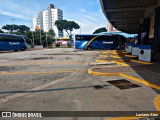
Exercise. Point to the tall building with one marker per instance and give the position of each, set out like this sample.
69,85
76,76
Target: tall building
45,20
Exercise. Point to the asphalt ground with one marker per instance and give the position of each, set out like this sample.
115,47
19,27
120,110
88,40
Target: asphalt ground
58,80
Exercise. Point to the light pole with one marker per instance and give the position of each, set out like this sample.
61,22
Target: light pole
33,38
80,28
13,23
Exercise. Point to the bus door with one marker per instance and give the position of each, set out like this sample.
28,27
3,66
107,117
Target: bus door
81,41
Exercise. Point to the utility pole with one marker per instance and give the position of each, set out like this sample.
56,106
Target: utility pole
32,38
13,23
40,36
46,40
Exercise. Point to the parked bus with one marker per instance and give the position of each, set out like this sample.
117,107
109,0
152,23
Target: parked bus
14,42
98,41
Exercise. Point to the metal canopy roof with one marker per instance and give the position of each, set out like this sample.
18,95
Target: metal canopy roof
126,15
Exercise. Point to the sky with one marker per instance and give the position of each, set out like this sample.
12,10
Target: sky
87,13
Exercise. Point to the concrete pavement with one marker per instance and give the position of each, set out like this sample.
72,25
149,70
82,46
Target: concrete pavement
66,91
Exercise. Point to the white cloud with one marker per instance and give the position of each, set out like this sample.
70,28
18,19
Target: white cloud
15,15
12,9
89,21
82,10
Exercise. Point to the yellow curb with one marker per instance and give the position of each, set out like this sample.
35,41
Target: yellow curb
50,72
90,71
103,61
127,60
106,56
142,62
119,63
157,102
131,56
122,64
140,81
117,57
123,61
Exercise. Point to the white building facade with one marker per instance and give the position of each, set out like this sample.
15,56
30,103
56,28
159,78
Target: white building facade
45,20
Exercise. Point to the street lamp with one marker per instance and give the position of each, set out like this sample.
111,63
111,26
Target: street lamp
13,23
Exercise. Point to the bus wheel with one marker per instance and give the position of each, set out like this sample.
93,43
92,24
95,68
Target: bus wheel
15,50
88,48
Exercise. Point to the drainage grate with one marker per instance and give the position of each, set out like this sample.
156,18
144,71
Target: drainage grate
101,86
42,58
123,84
98,87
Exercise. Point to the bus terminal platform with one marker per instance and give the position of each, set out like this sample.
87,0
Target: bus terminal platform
135,73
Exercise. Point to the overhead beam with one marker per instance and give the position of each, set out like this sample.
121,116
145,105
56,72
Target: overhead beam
126,9
122,19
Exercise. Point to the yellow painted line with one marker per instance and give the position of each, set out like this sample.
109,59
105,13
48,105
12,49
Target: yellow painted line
49,72
157,102
140,81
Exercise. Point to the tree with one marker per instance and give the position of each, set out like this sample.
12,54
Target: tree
99,30
50,37
51,33
8,27
22,28
1,31
16,28
68,26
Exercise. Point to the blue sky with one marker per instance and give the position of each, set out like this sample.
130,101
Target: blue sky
87,13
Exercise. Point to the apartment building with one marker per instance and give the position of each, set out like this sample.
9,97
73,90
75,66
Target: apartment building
45,20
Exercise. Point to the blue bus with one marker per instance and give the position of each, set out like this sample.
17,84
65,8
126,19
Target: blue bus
98,41
14,42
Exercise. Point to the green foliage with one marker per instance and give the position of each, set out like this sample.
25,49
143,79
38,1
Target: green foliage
68,26
51,32
50,37
58,45
25,30
1,31
22,28
16,28
99,30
